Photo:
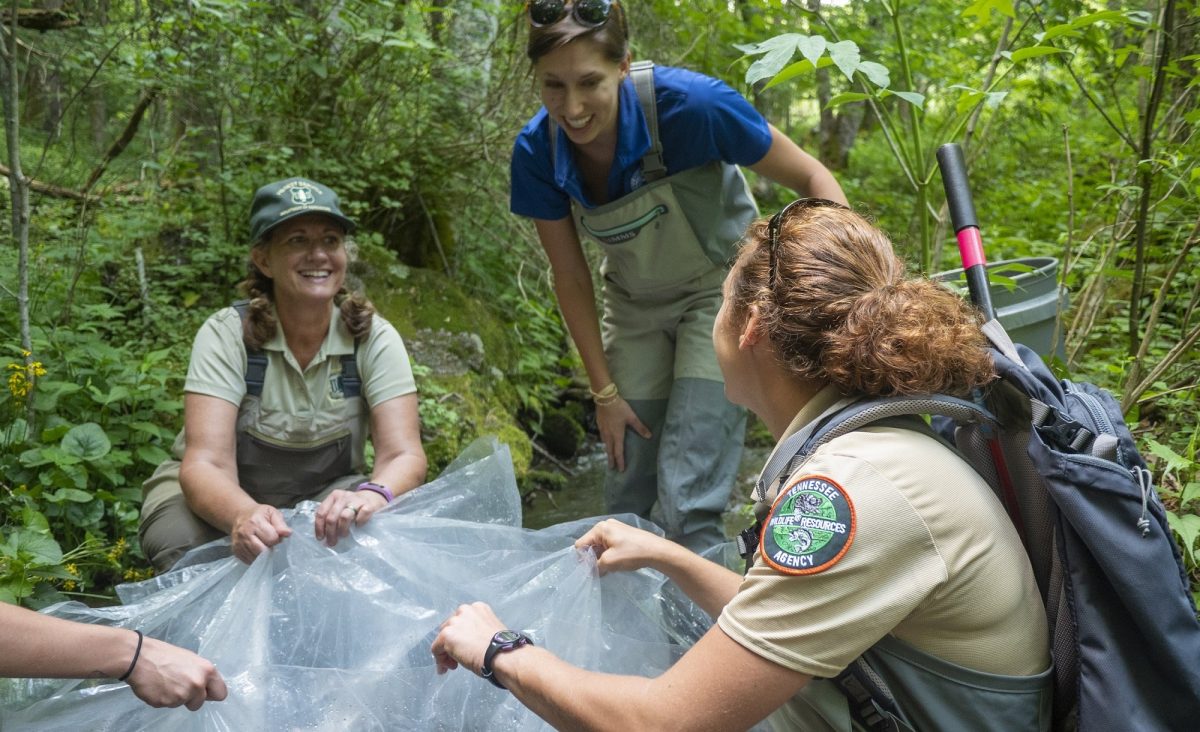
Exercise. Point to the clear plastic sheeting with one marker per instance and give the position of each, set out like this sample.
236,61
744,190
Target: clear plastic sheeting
317,638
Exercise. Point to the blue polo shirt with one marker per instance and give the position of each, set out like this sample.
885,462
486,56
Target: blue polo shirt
700,119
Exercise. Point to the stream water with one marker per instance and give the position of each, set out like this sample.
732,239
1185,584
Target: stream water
583,495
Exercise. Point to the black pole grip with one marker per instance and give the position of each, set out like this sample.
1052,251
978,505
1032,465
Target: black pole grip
954,180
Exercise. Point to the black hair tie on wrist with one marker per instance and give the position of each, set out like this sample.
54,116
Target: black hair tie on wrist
137,652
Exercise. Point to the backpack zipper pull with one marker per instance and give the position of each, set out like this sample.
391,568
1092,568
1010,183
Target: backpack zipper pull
1146,482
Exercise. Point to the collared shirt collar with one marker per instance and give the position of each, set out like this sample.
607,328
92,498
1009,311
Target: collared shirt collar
633,141
338,341
824,399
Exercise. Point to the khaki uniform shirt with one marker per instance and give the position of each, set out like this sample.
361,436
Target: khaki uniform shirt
930,557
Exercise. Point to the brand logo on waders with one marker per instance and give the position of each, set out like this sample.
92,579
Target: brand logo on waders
625,232
809,528
337,389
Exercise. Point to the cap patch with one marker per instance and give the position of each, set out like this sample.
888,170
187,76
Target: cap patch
809,528
302,192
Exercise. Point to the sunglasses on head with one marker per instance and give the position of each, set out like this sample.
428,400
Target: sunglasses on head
588,13
776,223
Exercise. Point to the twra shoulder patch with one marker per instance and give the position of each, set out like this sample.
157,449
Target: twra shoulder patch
810,527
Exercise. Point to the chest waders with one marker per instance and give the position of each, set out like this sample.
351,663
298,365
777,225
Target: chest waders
666,246
894,686
282,469
281,460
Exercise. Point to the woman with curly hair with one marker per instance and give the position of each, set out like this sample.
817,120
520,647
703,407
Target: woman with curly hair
281,393
883,545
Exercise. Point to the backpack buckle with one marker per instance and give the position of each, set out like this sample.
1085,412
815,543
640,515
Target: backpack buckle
1065,433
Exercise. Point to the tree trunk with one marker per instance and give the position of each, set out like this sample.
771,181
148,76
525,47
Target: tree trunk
19,194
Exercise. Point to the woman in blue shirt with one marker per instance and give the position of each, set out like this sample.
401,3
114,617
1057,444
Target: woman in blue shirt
644,160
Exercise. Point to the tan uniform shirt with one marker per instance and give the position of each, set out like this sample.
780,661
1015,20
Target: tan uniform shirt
927,555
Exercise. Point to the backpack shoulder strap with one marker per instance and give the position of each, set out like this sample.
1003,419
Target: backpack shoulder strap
256,360
642,72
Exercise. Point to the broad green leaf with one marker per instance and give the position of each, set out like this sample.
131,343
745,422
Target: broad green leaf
790,72
967,101
1190,492
917,100
87,441
845,98
811,48
74,495
778,51
14,433
1117,16
1174,461
846,56
1035,51
151,454
1058,31
981,9
877,73
1188,529
43,549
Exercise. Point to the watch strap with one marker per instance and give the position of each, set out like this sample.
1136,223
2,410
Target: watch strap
500,643
376,488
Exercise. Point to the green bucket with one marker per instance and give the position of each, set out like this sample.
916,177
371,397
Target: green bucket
1028,300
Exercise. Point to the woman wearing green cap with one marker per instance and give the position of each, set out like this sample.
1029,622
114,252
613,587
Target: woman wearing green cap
644,161
281,393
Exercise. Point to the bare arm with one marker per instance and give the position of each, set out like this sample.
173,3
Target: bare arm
717,685
789,166
623,548
41,646
577,299
208,476
400,465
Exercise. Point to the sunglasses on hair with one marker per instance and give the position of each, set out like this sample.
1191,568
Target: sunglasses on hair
776,222
588,13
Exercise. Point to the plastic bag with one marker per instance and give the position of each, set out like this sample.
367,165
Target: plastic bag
316,638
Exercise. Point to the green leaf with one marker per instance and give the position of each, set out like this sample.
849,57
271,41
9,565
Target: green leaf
1035,51
1188,529
1174,461
778,51
151,454
43,549
1190,492
73,495
811,48
877,73
845,98
981,9
790,73
845,54
917,100
87,441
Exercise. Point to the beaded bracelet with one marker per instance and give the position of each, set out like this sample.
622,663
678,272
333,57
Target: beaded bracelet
136,652
376,488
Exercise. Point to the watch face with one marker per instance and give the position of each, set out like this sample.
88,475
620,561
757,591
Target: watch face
507,636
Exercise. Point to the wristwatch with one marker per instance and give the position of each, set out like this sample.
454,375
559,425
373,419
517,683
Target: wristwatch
505,640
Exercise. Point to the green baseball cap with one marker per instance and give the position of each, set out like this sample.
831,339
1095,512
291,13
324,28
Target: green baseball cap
277,202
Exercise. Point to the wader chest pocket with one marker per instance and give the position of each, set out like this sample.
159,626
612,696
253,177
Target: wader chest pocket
283,473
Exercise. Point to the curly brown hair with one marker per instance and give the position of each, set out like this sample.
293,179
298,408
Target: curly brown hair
612,36
260,322
841,309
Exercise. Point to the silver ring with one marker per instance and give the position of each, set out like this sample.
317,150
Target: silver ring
353,509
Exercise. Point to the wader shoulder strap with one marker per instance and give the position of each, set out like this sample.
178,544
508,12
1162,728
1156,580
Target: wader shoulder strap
256,364
642,72
256,360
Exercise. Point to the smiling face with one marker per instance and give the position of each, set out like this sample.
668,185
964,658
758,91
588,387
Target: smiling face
305,258
580,88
